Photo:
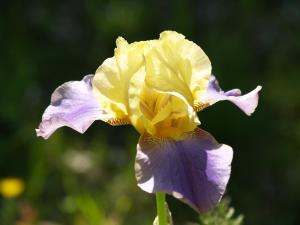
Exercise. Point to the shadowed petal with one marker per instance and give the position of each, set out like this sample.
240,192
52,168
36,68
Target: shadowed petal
72,104
195,170
247,103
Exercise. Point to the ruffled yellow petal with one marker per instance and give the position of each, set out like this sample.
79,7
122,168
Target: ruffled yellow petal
112,78
138,120
166,115
108,87
154,84
177,66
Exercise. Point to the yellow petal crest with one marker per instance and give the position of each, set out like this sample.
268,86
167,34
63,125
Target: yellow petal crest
177,65
112,78
154,84
164,115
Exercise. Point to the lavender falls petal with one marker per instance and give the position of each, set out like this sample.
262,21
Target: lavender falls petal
72,104
247,103
195,170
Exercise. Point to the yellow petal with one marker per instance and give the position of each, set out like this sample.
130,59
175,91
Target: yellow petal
175,119
177,66
138,120
112,78
166,115
154,84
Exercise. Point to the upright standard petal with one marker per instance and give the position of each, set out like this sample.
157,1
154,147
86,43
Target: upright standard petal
177,66
247,103
195,170
74,105
112,78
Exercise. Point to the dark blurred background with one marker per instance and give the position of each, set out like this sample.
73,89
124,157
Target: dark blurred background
74,179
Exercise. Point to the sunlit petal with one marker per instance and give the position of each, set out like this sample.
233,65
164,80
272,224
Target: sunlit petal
161,114
177,66
74,105
195,170
113,77
247,103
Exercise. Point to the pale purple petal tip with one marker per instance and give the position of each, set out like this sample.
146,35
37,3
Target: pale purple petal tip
195,170
247,103
72,104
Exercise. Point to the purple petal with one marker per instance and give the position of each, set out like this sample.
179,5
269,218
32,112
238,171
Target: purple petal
195,170
247,103
72,104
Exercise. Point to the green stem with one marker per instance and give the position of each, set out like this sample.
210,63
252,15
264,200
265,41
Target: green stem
161,208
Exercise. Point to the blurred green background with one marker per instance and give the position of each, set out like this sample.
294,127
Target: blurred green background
74,179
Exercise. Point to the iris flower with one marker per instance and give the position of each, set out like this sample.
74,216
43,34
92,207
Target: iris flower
157,86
